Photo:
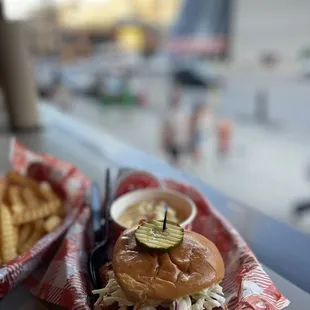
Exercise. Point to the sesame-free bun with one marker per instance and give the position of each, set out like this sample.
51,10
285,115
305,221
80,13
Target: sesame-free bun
153,277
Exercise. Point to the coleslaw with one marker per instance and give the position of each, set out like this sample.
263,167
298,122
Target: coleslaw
208,299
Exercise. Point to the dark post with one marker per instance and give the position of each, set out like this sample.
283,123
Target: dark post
1,11
261,106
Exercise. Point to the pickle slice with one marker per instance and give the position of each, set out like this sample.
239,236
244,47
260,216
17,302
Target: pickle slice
151,235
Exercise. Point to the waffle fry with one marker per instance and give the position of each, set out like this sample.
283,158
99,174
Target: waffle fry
24,233
7,235
47,209
47,192
15,178
31,199
28,210
2,191
35,236
52,223
15,199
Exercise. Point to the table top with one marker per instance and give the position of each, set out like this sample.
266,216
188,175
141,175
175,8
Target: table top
283,251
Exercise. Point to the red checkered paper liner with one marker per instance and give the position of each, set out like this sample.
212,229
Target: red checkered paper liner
73,183
66,281
246,285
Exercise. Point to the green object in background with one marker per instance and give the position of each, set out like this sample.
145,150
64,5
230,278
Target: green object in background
126,98
305,53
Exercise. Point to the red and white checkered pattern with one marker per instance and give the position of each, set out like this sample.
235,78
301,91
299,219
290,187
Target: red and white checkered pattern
65,281
74,183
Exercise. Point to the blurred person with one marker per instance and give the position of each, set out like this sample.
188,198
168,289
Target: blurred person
224,135
190,75
62,94
192,87
195,147
63,91
176,130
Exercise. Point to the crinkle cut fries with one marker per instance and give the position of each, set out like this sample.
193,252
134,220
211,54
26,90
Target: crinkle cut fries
28,211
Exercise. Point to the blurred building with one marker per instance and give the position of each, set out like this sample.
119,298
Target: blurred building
93,16
48,36
137,25
45,35
256,25
160,12
85,15
202,28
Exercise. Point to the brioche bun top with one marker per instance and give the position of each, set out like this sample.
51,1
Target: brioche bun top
152,277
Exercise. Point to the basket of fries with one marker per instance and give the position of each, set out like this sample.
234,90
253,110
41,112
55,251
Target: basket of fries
40,198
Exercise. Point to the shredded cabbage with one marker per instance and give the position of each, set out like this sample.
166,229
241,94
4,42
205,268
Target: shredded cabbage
206,299
112,293
209,298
